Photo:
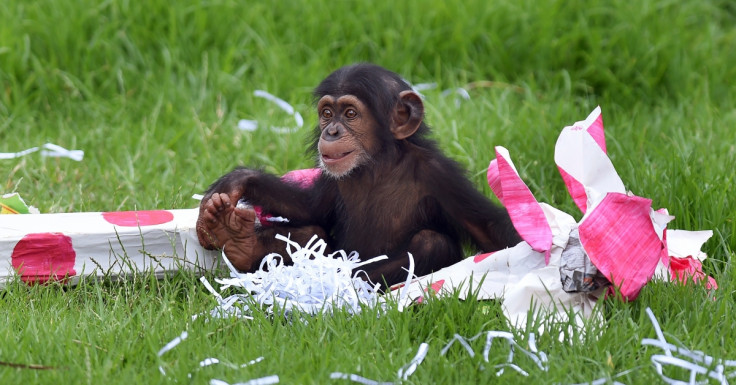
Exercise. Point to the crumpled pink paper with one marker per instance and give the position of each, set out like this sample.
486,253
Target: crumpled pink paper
623,236
621,233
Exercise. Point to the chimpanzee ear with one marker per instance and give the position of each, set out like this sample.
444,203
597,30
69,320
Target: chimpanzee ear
408,115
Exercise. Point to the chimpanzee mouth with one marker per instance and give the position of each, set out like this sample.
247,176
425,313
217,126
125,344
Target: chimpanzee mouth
336,157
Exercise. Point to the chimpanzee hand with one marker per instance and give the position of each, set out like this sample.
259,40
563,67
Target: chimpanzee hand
222,225
219,201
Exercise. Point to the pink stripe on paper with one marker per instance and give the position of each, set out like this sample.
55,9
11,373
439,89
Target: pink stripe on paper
524,210
576,190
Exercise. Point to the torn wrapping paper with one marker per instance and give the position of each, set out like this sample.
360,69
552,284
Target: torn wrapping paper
13,204
518,276
683,263
563,266
622,235
44,247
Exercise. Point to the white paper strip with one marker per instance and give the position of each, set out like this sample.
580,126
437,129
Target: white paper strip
48,149
408,369
268,380
357,378
691,362
539,358
172,344
252,125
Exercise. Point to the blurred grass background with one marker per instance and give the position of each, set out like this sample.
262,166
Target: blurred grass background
152,92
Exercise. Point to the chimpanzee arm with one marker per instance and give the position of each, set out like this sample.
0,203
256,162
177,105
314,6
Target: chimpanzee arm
488,225
268,191
222,225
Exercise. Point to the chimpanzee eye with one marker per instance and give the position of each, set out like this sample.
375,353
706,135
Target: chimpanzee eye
351,113
326,113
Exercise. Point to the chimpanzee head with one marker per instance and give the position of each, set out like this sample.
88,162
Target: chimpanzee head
364,111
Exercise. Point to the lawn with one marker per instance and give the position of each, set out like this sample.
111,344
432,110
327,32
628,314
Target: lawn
152,92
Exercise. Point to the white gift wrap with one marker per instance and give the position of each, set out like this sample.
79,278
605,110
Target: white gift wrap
43,247
518,276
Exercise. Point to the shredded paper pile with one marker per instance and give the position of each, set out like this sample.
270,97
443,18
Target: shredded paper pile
315,282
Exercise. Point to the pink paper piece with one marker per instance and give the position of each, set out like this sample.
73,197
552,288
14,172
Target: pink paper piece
526,214
621,242
594,125
494,180
303,178
575,189
688,269
437,285
480,257
683,260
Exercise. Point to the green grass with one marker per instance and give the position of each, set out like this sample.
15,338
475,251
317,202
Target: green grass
152,92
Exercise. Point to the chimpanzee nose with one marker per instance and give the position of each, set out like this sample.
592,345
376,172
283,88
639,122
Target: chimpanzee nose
332,132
